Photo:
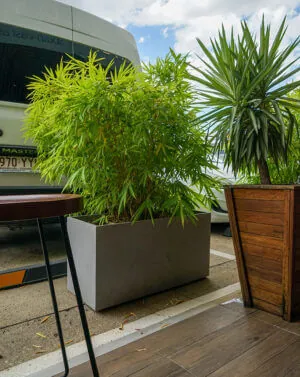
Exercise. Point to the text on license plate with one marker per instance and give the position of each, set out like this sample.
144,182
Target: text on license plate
17,163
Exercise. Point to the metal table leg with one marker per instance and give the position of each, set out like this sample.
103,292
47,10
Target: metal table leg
79,298
53,297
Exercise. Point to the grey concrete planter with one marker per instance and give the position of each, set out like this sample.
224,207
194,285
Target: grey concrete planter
122,262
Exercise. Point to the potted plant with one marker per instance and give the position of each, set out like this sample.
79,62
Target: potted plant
245,84
127,140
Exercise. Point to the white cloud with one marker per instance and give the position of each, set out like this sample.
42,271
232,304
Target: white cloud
204,28
145,59
141,40
193,18
174,12
165,31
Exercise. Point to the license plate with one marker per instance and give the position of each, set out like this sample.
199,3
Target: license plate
16,163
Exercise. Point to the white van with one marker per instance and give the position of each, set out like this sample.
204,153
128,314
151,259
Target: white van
219,211
35,34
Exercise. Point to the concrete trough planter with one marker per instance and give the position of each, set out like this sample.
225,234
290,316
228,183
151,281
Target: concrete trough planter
123,262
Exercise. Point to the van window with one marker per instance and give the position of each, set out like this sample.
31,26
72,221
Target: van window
17,64
24,53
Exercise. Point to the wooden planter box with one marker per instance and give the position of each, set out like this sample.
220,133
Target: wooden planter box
265,223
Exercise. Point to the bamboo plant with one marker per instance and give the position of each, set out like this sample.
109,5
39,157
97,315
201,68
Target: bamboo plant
127,140
244,86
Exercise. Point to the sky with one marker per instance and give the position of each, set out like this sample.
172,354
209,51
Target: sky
158,25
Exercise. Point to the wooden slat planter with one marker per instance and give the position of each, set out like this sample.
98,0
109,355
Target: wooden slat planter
265,223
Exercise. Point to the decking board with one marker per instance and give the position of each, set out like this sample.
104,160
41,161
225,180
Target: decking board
243,343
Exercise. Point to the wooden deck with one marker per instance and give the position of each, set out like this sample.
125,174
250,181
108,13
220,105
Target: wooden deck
225,341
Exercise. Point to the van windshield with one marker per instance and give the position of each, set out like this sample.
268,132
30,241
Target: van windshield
25,52
17,64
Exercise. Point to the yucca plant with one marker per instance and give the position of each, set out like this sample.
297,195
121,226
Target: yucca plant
282,173
244,89
128,141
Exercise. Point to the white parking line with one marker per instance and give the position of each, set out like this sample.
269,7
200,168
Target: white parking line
221,254
51,364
